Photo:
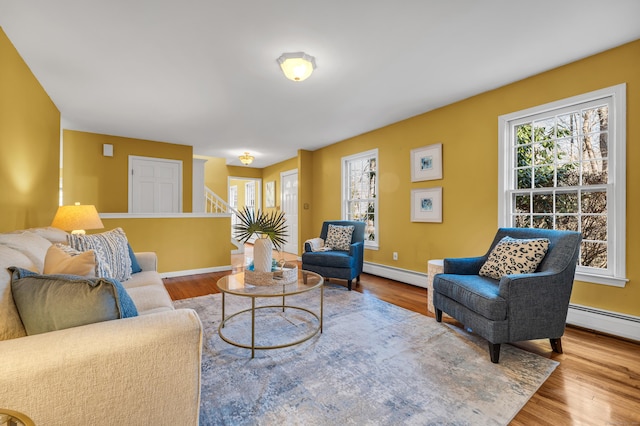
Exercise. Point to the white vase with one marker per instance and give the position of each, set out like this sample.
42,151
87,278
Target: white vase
262,255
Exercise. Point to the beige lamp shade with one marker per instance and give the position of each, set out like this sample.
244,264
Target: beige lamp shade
77,218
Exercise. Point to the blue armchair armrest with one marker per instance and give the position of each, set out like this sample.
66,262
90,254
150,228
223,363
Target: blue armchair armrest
464,265
537,305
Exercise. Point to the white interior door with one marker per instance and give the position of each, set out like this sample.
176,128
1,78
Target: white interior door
289,203
155,185
250,195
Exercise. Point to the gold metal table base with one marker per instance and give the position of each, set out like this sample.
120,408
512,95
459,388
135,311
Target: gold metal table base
282,306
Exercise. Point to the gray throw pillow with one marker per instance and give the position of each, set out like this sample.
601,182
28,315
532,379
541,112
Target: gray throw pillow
55,302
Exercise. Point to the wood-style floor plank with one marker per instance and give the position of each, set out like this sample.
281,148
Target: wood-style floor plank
596,383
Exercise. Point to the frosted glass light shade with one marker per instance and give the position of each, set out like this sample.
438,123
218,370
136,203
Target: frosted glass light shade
77,218
246,159
297,66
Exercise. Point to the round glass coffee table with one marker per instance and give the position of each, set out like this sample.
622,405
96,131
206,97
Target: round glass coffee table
235,285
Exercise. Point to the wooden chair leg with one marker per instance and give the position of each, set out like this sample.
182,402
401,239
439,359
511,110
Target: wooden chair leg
349,284
438,315
556,345
494,352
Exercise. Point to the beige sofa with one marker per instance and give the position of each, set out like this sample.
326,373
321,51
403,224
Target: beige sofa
142,370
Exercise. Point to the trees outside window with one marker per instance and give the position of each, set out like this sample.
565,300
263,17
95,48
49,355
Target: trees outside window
359,192
563,167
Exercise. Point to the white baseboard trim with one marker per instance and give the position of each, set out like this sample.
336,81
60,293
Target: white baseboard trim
195,271
397,274
616,324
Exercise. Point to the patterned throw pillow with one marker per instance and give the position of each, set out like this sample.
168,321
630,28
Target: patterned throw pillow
112,252
339,237
514,256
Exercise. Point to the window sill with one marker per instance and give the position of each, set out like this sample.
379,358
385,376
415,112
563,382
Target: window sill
599,279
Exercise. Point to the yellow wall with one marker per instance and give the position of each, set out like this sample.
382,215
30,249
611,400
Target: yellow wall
181,244
248,172
29,145
272,173
215,175
91,178
468,131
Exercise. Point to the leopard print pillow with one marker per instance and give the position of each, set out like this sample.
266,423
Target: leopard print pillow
514,256
339,237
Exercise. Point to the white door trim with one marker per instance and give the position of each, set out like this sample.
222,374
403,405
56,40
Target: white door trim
292,245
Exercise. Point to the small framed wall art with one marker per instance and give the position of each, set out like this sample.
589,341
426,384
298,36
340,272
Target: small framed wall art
426,205
270,194
426,163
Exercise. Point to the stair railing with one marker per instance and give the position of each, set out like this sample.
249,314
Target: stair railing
215,204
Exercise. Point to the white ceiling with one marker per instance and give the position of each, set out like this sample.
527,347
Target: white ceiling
204,72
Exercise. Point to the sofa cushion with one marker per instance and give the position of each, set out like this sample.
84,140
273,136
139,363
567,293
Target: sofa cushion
54,302
144,278
112,252
62,261
514,256
339,237
480,294
31,245
150,299
54,235
10,324
331,259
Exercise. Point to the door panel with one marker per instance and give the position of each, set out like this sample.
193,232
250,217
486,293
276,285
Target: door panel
155,185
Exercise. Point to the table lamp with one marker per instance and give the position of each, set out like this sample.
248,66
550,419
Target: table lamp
77,218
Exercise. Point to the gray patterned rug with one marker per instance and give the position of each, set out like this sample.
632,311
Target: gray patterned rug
374,364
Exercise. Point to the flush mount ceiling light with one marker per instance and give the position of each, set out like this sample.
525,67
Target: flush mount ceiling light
297,66
246,159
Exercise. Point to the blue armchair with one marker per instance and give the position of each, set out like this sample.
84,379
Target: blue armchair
515,307
340,264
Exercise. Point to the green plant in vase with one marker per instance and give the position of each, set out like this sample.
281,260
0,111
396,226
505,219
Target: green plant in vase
269,227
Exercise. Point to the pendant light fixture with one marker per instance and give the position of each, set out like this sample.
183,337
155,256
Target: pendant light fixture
246,159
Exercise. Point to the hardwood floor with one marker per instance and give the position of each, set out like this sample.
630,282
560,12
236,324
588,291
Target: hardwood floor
596,383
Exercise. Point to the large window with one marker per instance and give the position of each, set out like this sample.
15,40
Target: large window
563,167
359,192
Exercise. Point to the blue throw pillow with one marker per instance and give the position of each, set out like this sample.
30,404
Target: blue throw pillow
55,302
135,266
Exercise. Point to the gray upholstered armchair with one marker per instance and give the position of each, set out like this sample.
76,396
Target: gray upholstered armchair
342,264
515,307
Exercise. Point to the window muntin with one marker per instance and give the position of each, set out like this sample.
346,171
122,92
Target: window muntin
559,171
359,193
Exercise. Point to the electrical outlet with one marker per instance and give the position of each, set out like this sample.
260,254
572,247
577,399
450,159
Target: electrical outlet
395,255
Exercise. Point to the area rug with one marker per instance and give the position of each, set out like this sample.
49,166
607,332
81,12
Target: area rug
374,364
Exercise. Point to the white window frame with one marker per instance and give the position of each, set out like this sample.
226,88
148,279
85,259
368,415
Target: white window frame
368,244
615,274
